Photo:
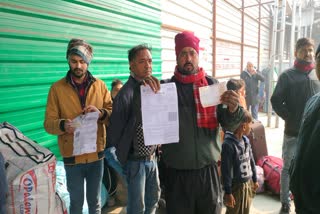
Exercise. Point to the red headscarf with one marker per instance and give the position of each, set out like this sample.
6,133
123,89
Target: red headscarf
186,39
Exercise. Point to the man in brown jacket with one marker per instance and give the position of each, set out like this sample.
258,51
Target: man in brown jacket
79,93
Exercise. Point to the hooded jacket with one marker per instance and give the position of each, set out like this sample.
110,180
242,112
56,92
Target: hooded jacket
237,163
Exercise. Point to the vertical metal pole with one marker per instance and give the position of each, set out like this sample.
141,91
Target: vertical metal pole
272,58
281,44
299,20
311,21
259,34
293,29
214,38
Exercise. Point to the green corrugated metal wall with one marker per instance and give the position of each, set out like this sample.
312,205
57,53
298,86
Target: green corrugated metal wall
34,35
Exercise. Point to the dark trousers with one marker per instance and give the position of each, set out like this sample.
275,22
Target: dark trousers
193,191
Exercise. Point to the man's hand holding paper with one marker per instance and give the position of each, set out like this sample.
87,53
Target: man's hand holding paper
211,95
85,134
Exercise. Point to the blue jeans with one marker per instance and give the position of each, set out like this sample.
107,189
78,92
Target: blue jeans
112,160
254,111
143,186
76,175
288,151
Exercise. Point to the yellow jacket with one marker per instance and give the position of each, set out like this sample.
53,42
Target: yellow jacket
64,103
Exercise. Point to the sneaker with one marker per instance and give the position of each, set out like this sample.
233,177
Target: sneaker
285,208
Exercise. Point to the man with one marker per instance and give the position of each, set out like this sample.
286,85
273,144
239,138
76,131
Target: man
79,93
304,171
126,134
294,88
192,183
252,78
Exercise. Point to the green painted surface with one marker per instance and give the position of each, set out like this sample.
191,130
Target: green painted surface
33,40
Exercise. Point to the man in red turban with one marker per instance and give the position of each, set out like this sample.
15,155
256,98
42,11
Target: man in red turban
192,183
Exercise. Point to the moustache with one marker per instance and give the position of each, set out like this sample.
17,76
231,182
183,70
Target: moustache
77,69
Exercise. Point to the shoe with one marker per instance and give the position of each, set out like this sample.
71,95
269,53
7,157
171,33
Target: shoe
162,203
111,202
285,208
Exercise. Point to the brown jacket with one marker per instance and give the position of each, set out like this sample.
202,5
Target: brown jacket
64,103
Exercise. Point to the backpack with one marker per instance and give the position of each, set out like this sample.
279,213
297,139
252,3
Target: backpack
272,167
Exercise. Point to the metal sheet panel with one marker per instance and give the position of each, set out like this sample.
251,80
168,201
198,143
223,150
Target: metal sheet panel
228,44
174,20
265,41
229,31
34,36
228,59
228,22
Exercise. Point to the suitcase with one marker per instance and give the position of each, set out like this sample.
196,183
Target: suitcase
258,141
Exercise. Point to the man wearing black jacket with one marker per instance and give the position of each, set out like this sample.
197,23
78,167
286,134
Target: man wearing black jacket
304,172
294,88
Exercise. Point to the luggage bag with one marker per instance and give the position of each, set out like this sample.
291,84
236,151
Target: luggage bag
258,141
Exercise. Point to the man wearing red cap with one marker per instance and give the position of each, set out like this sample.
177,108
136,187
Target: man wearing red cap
192,183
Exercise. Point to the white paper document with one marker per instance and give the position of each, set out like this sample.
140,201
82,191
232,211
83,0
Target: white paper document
160,118
85,134
210,95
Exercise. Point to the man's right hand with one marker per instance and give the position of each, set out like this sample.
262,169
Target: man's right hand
153,82
69,126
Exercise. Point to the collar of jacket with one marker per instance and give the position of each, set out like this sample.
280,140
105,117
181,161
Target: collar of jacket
230,135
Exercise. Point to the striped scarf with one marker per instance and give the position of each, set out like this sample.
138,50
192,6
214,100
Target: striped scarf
206,117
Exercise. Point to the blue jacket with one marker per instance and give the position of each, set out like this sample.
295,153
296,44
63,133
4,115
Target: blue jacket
237,163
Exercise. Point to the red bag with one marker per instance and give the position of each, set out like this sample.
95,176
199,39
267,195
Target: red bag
272,167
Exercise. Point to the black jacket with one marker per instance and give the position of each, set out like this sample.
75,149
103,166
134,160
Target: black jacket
121,129
304,170
293,90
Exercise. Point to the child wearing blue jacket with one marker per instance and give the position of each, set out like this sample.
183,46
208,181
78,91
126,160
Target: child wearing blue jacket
238,167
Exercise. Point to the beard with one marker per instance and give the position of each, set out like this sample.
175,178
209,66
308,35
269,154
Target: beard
188,68
78,73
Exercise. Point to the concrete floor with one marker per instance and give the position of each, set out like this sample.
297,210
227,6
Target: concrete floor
263,203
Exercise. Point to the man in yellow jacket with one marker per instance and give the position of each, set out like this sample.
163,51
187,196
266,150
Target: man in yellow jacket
79,93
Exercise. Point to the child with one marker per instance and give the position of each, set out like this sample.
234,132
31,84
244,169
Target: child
238,167
239,86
